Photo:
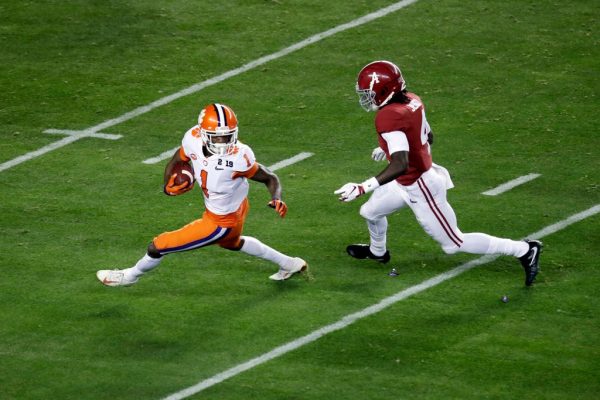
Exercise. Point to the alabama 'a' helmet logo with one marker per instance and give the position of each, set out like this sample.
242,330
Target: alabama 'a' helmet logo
374,80
218,128
377,83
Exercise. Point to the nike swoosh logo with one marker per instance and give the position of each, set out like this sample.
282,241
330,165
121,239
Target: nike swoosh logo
106,281
414,202
219,169
534,250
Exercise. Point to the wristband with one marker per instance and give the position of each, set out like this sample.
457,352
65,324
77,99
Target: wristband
370,184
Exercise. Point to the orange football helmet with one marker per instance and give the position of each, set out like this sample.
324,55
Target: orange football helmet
218,128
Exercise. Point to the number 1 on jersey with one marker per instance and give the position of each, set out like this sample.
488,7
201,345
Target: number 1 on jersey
204,179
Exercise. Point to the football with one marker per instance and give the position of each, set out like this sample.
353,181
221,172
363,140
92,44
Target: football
185,173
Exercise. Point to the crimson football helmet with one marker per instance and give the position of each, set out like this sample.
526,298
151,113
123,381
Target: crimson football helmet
377,83
218,128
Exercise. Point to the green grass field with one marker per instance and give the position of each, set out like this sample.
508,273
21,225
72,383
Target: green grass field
511,89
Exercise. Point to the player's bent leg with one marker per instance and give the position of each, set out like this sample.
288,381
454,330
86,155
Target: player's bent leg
482,243
377,227
199,233
288,266
384,201
194,235
527,251
153,251
438,220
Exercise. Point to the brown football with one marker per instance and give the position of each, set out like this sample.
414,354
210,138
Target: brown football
185,173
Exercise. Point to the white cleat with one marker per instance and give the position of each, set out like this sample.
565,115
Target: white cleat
114,277
298,266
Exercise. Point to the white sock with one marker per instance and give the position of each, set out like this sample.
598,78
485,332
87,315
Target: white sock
256,248
378,234
481,243
144,265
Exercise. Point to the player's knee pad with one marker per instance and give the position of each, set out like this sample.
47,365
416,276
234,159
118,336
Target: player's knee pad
367,212
153,251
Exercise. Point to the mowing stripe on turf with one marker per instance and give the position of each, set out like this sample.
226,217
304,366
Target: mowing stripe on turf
351,318
209,82
505,187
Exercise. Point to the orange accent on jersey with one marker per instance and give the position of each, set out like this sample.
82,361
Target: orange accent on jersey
246,174
204,179
182,155
196,132
248,163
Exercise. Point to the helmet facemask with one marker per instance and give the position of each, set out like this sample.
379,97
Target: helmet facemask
366,99
220,142
377,83
218,129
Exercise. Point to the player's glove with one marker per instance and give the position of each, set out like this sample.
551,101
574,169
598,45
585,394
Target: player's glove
174,190
378,154
351,191
279,206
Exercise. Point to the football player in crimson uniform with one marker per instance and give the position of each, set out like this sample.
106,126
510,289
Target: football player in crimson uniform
412,179
222,166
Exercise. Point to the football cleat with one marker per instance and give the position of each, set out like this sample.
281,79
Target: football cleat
114,277
531,261
362,251
298,266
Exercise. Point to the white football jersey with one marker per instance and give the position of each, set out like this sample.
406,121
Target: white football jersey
222,178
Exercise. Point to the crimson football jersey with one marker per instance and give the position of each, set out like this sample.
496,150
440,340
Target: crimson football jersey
408,118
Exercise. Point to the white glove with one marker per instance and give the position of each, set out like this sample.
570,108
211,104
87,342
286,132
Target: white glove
350,191
378,154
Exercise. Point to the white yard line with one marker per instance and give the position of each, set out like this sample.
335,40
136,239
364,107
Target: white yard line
162,156
292,160
209,82
69,132
505,187
351,318
43,150
72,136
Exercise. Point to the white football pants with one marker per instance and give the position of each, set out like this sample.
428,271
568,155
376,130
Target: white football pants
427,199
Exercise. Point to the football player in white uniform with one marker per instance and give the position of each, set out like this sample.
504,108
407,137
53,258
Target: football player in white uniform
412,179
222,166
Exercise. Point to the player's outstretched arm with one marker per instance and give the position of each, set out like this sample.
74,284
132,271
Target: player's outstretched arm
272,183
396,167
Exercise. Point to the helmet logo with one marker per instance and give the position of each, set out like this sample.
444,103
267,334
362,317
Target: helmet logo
374,80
